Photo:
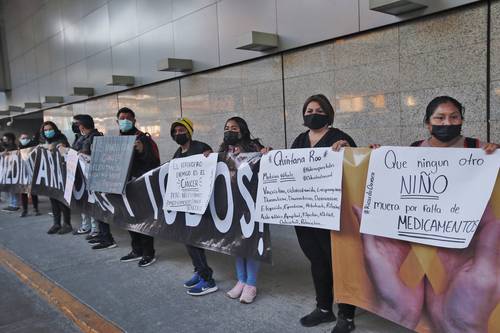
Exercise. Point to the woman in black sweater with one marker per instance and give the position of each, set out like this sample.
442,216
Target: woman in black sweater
315,243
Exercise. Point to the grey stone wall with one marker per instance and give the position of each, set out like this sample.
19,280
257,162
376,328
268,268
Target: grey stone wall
379,83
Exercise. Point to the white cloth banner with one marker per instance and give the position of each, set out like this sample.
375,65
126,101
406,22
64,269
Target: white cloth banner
433,196
300,187
190,183
71,158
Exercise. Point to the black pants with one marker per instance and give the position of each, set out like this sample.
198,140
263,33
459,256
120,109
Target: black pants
58,208
105,232
24,201
315,243
200,262
142,245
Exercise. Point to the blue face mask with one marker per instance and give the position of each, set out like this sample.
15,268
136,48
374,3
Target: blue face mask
125,125
49,134
24,142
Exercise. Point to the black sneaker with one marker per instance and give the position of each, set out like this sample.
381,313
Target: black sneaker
147,261
317,317
132,256
344,325
66,228
95,240
23,214
91,236
104,245
55,228
37,212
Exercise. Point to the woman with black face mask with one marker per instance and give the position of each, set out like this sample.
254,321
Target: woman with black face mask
237,139
318,116
444,117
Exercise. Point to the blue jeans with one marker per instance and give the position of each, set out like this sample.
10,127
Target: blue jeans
247,270
14,200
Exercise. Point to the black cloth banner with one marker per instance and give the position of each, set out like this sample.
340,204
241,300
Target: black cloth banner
228,226
16,170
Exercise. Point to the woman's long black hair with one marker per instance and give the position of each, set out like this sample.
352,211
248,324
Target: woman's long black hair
246,143
54,126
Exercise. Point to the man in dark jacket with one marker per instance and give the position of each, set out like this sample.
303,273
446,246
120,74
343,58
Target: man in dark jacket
85,131
9,144
146,157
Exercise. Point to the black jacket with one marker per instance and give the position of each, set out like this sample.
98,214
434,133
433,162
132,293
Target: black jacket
148,159
9,147
333,135
195,147
83,143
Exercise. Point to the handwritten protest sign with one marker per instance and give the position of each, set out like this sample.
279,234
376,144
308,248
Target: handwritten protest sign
190,183
110,163
300,187
71,165
432,196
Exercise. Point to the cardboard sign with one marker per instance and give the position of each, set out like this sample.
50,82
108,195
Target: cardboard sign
110,163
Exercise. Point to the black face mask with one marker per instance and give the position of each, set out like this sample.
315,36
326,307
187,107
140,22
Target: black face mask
446,133
75,128
181,138
315,121
231,138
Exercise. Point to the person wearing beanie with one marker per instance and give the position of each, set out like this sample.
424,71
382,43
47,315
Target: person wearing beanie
202,282
318,117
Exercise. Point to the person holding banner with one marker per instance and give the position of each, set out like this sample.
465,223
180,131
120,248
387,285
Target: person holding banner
444,117
318,116
471,289
85,131
53,139
25,141
9,144
202,282
146,157
237,139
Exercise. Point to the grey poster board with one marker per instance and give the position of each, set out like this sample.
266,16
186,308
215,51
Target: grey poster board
110,163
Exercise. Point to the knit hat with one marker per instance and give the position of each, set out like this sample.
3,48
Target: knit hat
185,122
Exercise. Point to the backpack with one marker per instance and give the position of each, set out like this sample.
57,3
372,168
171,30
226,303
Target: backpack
154,146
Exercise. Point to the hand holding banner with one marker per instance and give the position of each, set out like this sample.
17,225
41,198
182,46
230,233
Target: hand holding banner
430,196
301,187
